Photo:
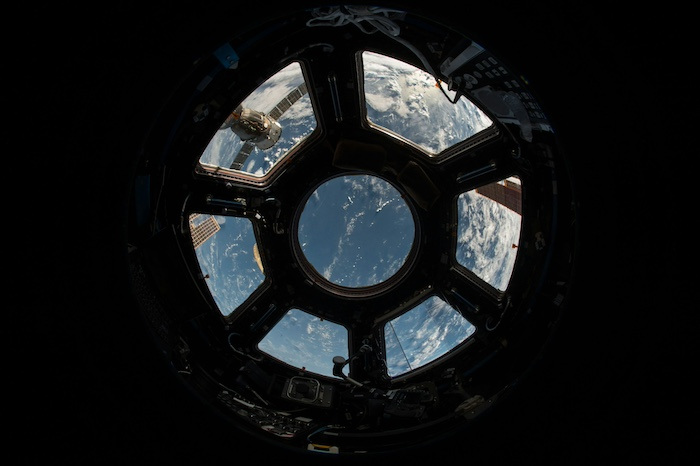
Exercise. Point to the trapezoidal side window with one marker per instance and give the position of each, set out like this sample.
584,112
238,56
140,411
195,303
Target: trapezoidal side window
406,102
489,220
423,334
264,128
306,342
228,256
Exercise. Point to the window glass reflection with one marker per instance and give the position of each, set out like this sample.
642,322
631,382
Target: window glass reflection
265,127
423,334
227,252
356,230
489,221
406,101
306,341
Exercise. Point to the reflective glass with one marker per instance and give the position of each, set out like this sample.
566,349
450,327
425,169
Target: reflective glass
408,102
489,221
305,341
229,258
278,115
356,230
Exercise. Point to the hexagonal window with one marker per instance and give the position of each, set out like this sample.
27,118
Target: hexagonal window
423,334
227,252
408,103
488,221
307,342
265,127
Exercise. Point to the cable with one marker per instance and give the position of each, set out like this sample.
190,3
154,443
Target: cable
340,16
400,346
458,94
317,431
378,20
490,327
236,350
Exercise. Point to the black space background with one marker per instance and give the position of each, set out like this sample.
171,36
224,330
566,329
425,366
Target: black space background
83,385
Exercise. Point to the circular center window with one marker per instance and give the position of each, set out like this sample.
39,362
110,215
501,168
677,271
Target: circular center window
356,230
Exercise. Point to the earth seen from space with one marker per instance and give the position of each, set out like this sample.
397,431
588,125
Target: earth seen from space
357,230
